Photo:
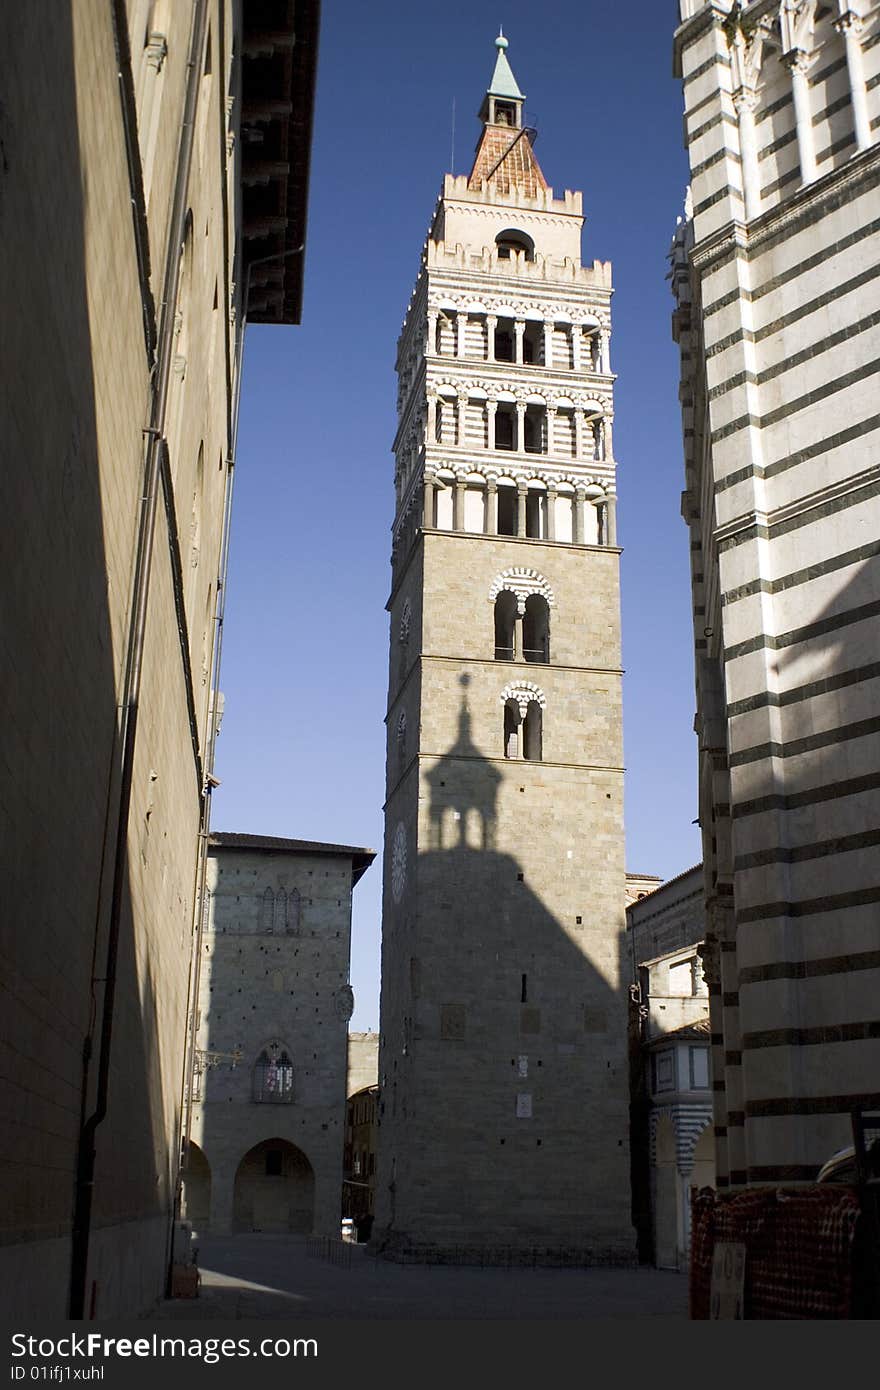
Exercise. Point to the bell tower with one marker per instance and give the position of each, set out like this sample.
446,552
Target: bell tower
503,1073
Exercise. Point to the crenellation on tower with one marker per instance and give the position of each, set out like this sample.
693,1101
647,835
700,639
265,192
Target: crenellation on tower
503,1080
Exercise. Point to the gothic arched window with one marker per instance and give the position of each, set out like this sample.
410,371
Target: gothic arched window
267,911
401,738
511,729
505,625
273,1075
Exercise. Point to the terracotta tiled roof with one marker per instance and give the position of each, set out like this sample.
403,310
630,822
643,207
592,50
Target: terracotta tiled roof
506,158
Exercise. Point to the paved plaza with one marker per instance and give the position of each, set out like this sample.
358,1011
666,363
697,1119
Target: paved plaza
266,1276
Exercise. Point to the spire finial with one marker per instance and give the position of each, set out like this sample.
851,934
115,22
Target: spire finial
501,41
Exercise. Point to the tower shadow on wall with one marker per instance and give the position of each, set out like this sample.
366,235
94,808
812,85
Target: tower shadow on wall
503,1079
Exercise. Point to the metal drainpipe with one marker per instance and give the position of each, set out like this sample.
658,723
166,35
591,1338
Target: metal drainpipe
85,1170
204,829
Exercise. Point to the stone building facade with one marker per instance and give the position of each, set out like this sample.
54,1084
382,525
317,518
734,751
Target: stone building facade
129,227
503,1090
269,1088
775,276
672,1130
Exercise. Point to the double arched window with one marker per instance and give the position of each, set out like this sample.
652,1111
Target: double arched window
522,616
523,730
273,1075
280,911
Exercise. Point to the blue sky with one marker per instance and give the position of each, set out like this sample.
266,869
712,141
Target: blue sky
305,659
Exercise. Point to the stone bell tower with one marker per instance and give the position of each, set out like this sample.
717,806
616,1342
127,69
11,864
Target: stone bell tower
503,1080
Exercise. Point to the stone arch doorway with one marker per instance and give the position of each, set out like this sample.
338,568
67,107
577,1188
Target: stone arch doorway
274,1189
196,1184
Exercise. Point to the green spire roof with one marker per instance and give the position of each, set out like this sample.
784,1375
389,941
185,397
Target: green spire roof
503,82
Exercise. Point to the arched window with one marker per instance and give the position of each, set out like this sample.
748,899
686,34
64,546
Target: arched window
511,240
536,629
505,625
267,911
532,732
273,1075
294,908
281,911
511,729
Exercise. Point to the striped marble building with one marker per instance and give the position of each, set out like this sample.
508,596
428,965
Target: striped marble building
776,276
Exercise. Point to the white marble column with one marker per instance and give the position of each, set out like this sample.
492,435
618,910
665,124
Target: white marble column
607,438
850,25
548,343
798,63
521,494
460,329
431,340
551,429
431,427
579,496
744,102
605,351
491,507
576,336
491,410
458,505
428,500
519,329
578,433
520,442
609,536
461,413
491,325
551,512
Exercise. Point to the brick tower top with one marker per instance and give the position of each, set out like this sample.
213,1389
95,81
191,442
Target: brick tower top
505,157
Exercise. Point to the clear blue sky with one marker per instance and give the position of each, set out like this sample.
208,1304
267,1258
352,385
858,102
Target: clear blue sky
305,660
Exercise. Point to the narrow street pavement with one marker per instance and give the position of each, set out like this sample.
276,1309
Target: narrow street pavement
265,1276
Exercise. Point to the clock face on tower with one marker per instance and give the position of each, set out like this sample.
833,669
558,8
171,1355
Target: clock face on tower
398,862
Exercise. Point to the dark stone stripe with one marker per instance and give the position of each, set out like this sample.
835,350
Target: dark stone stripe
803,267
809,969
718,61
778,105
797,577
813,1037
779,641
837,148
808,517
741,423
821,301
699,131
830,388
811,1105
822,446
837,66
768,150
741,335
780,700
812,796
809,907
832,109
860,728
710,100
782,1173
727,191
717,158
797,359
798,854
778,184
